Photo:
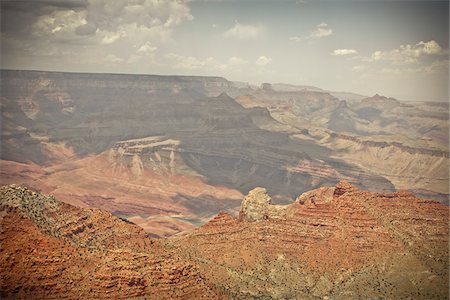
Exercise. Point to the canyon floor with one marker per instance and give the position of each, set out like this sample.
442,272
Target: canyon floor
195,187
170,152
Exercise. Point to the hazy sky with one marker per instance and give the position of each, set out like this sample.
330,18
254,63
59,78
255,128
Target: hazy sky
394,48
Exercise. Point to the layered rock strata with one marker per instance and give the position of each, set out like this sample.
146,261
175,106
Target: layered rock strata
338,242
333,242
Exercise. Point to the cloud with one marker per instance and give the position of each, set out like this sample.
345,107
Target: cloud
244,32
408,54
193,64
183,63
187,62
111,37
340,52
110,15
111,58
322,30
296,39
433,68
147,48
18,17
234,60
101,18
263,61
58,24
100,22
87,29
145,52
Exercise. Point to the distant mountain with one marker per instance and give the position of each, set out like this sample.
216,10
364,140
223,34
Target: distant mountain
172,151
186,126
282,87
405,142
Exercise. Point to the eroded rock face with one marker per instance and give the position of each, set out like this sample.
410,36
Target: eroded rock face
257,206
316,197
51,250
182,124
333,242
343,187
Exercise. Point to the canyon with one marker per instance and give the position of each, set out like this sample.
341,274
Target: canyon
334,242
170,152
189,187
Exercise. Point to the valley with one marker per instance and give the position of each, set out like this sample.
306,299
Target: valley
170,152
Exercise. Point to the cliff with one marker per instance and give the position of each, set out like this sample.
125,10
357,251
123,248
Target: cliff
53,250
333,242
210,135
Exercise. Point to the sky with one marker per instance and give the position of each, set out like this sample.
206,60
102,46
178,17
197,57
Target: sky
395,48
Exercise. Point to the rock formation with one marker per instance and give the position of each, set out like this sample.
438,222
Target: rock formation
49,249
257,206
405,142
333,242
198,130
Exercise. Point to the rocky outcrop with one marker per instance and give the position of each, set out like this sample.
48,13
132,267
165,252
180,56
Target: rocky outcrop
52,250
343,187
92,229
257,206
338,242
334,242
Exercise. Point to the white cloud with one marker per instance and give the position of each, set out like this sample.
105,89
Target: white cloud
243,32
109,15
234,60
209,64
105,22
145,52
322,30
91,27
296,39
438,65
433,68
59,24
431,47
263,61
407,54
340,52
188,62
147,48
111,58
111,37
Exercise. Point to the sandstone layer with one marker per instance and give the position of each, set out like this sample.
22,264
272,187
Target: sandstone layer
337,242
53,250
184,124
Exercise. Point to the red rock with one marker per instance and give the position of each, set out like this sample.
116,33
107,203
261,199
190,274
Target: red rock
343,187
333,242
